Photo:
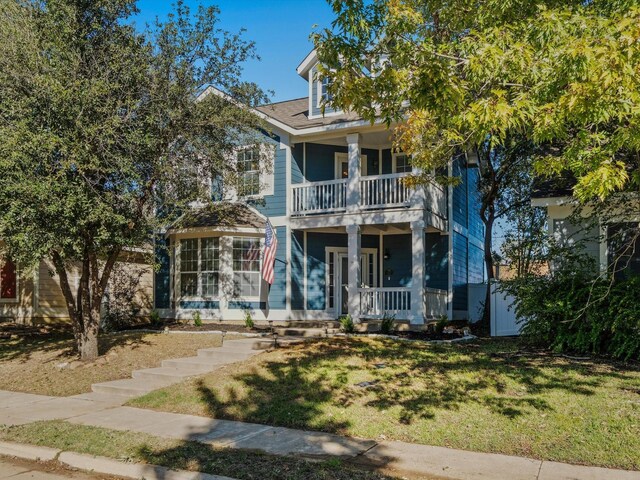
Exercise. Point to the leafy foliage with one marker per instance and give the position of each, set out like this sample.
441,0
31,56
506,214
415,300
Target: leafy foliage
387,324
573,310
248,319
197,318
561,73
346,324
99,125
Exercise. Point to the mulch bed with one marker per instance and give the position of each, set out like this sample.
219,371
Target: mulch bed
428,336
209,327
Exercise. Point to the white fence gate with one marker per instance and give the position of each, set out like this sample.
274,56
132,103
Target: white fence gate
503,316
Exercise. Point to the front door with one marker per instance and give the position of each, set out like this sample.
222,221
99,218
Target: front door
368,276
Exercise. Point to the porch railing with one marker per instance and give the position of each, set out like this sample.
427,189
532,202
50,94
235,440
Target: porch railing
435,302
320,197
375,302
381,191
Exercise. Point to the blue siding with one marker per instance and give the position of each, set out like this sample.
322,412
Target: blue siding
387,161
460,272
460,197
436,261
244,305
162,287
321,163
297,164
277,292
297,270
400,249
476,264
373,160
314,95
276,204
476,227
316,263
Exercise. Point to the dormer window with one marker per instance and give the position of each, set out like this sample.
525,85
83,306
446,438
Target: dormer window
249,171
324,96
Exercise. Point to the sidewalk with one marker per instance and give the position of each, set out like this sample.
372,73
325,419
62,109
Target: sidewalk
392,457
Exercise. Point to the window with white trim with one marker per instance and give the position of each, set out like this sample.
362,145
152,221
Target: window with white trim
401,163
246,267
249,171
324,96
199,267
8,280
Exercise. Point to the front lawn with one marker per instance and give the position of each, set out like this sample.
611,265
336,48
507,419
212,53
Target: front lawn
36,363
143,448
485,396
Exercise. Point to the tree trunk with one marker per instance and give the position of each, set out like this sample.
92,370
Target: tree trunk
488,262
88,344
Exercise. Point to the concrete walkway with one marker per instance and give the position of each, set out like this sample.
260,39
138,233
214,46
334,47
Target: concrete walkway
103,408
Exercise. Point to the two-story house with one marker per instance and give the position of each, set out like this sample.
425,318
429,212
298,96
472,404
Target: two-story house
353,238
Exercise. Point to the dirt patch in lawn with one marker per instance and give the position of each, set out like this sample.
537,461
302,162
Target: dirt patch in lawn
46,363
486,395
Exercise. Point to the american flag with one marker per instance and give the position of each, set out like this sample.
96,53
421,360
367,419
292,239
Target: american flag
270,246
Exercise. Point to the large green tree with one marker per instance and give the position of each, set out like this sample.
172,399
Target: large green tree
99,127
473,76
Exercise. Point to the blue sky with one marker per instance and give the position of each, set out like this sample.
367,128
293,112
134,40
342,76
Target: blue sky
280,29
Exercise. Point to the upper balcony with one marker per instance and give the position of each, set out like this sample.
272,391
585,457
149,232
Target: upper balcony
375,192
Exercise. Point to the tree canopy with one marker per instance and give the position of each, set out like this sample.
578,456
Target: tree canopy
100,125
561,73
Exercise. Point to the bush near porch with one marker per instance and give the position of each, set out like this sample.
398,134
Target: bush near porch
484,396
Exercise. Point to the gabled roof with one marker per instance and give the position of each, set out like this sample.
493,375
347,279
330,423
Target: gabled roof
295,114
220,214
307,64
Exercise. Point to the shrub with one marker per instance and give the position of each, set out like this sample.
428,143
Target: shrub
154,318
248,320
442,322
121,302
197,319
346,324
571,310
387,324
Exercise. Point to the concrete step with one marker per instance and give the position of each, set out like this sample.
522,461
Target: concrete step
104,398
131,387
282,342
197,365
231,355
305,332
177,374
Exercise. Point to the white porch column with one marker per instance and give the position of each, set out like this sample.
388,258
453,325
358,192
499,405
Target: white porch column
353,252
417,275
226,272
353,182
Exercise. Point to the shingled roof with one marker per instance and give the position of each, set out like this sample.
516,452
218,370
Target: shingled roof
295,114
223,214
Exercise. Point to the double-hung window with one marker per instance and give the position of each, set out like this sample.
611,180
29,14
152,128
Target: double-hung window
249,171
246,267
199,267
402,163
8,280
324,96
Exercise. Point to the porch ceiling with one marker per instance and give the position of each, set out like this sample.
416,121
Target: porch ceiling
385,229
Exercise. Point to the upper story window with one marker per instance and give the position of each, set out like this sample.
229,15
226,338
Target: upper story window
249,171
401,163
324,96
246,267
8,280
199,267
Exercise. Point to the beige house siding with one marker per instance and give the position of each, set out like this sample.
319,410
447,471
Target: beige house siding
46,304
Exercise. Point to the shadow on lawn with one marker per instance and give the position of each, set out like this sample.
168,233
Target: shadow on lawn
24,346
294,389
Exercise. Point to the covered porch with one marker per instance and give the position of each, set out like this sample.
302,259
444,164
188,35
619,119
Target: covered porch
369,271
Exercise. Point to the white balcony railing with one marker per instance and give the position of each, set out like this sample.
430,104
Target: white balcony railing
320,197
435,302
381,191
375,302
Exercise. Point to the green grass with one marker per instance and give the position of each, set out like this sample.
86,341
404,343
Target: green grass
194,456
483,396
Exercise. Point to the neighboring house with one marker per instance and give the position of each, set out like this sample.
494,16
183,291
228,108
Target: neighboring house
608,238
352,237
35,297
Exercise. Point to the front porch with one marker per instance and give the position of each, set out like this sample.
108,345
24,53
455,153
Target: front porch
372,271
